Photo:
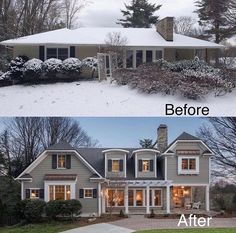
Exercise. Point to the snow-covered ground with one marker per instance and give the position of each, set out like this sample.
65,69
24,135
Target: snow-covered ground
92,98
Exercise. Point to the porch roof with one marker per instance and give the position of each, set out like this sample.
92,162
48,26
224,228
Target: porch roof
60,177
143,183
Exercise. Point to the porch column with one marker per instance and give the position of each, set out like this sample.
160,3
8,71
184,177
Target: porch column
154,55
207,202
126,199
144,56
167,199
134,59
99,200
148,200
103,201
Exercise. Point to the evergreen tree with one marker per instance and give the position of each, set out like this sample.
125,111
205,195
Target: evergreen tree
146,143
140,14
217,17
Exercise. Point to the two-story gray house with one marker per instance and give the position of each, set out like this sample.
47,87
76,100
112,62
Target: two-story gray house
169,177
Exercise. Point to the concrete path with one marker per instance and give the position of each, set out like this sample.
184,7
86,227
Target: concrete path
138,222
100,228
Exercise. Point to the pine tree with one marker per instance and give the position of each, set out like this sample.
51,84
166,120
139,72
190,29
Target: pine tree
140,14
146,143
217,17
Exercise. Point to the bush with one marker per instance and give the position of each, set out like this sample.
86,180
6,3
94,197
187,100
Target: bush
16,67
91,62
152,214
31,210
59,208
32,69
52,67
71,65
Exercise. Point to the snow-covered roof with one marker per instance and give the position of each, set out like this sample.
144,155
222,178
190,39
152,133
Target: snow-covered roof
97,36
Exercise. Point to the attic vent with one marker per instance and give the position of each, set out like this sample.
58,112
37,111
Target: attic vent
188,152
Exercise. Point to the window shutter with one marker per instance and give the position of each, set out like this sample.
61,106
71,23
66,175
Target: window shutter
95,193
121,165
109,165
54,161
151,165
42,53
140,165
72,51
68,161
27,193
41,193
81,193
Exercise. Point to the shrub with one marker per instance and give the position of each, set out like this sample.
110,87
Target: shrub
71,65
16,67
152,214
32,69
31,210
122,215
59,208
91,62
52,67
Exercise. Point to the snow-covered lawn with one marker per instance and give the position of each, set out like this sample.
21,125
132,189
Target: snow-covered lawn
92,98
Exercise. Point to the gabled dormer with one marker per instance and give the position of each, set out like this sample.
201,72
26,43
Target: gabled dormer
145,163
115,163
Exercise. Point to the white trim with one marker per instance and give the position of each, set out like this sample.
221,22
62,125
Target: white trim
115,150
136,166
153,192
22,190
155,166
31,193
126,201
55,183
189,184
146,150
148,200
209,174
168,199
61,168
188,171
125,165
207,198
48,46
174,144
99,193
43,155
84,193
106,170
166,168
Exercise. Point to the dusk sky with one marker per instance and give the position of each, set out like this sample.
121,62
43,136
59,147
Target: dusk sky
126,132
104,13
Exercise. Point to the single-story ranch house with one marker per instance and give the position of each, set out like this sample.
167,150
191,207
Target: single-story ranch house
143,44
168,178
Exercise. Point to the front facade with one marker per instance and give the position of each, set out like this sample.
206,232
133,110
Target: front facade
143,45
134,180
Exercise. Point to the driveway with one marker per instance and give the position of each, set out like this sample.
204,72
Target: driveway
138,222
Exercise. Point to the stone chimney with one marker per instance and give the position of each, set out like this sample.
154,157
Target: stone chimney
162,138
165,27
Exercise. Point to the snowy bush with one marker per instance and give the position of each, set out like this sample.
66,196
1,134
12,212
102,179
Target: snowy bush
16,67
91,62
52,65
6,76
72,65
32,69
190,79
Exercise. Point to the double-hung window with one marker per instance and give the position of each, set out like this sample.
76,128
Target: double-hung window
188,165
59,53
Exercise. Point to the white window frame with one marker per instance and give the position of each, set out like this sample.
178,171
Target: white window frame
91,193
112,165
55,47
148,165
72,185
58,160
188,171
34,198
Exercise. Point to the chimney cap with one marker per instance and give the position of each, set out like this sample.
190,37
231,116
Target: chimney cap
162,126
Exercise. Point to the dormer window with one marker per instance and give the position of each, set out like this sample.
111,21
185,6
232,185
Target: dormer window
61,161
115,165
188,165
146,165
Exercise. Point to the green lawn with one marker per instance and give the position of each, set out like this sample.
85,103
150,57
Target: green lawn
189,230
34,228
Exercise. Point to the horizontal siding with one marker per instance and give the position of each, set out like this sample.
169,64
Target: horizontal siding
29,51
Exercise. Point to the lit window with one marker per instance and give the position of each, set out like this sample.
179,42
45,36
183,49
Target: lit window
88,193
157,197
34,193
59,192
188,164
115,165
139,198
61,161
131,198
116,197
146,165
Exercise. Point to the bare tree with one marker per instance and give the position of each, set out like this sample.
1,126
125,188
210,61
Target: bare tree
116,43
184,25
220,135
72,8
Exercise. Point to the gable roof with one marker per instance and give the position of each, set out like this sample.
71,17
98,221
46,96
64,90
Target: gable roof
98,36
62,145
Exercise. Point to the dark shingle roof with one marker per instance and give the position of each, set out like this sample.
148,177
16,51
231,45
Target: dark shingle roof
186,136
62,145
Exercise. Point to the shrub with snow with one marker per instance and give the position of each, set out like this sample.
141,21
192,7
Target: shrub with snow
72,65
52,65
91,62
32,69
16,67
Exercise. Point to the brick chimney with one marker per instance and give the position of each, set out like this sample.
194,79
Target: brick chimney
162,138
165,27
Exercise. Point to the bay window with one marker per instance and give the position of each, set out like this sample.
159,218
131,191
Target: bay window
59,192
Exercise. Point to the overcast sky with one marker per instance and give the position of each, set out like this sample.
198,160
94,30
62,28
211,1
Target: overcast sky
104,13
